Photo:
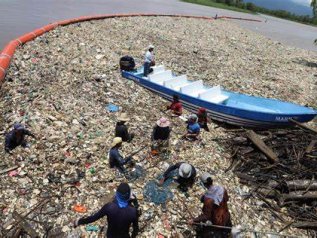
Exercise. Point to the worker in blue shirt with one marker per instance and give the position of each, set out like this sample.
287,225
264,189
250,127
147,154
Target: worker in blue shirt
16,137
120,214
193,128
115,159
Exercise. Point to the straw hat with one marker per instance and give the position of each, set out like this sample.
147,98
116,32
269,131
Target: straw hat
123,117
116,140
163,122
185,170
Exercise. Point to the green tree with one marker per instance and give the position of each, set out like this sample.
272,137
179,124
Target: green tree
313,4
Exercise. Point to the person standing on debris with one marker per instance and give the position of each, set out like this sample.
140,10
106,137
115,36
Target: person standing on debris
176,107
115,159
149,61
16,137
122,130
120,215
215,210
161,133
193,128
202,118
186,175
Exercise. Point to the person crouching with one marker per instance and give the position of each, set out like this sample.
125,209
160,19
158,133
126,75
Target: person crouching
161,134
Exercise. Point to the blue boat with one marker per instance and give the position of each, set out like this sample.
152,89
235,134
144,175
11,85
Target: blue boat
221,105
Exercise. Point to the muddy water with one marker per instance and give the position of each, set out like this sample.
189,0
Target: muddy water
21,16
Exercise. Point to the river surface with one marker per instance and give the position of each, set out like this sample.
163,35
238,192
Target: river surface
21,16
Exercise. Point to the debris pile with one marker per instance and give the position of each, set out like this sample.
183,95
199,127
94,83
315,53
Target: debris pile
66,88
279,165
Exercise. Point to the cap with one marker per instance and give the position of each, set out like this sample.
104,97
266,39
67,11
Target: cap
124,191
116,140
204,177
18,126
151,47
193,117
185,170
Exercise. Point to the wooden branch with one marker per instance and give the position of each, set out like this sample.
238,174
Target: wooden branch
25,225
295,196
302,125
258,142
310,146
9,169
305,225
297,184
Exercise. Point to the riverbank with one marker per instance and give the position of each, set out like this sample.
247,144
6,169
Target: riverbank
60,84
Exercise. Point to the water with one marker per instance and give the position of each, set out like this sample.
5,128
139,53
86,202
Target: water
21,16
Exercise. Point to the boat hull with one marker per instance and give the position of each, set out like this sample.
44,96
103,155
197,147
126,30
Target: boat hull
222,113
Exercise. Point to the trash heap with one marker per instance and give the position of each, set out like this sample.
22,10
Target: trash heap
61,86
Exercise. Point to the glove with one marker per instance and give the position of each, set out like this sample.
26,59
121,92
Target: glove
202,199
75,223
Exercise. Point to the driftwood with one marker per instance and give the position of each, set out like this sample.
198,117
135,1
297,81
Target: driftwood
310,146
25,225
306,225
296,184
258,142
303,125
8,169
245,177
296,196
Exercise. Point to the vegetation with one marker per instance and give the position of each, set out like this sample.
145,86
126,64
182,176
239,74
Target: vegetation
313,4
219,4
250,7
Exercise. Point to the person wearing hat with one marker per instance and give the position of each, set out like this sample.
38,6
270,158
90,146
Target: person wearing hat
202,118
120,215
16,137
149,61
193,128
215,209
176,107
122,130
161,133
186,175
115,159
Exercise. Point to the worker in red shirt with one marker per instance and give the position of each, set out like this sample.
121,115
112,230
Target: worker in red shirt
202,118
176,107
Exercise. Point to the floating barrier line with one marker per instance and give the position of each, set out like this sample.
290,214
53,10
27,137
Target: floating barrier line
10,48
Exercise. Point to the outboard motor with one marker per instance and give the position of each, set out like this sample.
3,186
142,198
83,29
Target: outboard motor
127,63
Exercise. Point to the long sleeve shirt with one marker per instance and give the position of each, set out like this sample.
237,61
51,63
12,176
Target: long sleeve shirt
122,131
217,214
116,160
12,140
119,220
182,181
161,133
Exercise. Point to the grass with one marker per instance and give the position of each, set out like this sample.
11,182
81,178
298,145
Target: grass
217,5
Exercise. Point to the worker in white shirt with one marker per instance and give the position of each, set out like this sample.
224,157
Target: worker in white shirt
149,61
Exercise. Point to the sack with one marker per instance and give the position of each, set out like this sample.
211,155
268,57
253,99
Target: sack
152,63
127,63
